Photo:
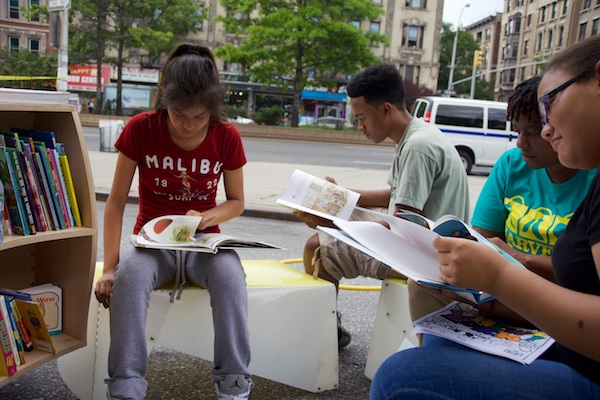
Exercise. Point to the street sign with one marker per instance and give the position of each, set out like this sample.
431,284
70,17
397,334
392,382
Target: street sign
58,5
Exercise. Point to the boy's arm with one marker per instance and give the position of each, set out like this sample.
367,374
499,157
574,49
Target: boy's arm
374,198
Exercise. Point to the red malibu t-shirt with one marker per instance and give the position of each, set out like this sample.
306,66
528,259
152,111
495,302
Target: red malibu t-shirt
173,180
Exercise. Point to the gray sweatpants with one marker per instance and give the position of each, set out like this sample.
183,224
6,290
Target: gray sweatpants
142,270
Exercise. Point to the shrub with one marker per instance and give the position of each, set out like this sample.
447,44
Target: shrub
268,116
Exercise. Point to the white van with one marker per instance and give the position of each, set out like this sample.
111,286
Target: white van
477,128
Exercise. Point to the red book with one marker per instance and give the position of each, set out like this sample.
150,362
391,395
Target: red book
8,367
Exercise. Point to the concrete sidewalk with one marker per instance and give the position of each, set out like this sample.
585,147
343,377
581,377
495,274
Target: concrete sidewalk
265,182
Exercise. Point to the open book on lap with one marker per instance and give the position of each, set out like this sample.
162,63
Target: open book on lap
317,196
464,324
179,232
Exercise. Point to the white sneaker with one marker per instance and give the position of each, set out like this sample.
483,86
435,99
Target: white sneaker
234,387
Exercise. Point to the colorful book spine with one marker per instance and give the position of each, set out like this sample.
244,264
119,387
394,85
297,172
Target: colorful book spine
8,367
52,182
51,211
29,227
60,187
31,186
15,209
13,343
37,181
64,162
25,337
16,332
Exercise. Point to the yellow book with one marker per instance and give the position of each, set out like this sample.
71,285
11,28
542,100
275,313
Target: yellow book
64,162
34,322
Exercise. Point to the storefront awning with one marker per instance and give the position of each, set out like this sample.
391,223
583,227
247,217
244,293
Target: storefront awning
324,96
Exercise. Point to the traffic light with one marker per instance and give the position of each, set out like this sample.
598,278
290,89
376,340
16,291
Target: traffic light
477,58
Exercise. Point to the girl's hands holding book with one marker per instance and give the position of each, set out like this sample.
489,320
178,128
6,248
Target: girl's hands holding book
205,221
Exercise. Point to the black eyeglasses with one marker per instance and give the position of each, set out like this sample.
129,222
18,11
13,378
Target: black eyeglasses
546,99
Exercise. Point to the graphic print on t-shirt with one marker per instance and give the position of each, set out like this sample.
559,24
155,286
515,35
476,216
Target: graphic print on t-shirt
532,230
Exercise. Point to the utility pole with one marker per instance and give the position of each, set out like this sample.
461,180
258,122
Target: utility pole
62,7
453,61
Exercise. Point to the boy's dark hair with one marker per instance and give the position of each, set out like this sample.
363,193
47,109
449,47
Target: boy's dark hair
190,77
523,101
378,84
581,56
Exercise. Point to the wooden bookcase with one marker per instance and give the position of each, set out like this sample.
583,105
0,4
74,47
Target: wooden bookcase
64,257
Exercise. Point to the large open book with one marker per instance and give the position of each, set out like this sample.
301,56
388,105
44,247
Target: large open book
178,232
407,246
465,325
307,193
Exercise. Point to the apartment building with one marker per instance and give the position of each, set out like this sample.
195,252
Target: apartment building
534,30
487,33
19,33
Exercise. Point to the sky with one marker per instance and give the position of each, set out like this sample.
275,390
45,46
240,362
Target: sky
478,10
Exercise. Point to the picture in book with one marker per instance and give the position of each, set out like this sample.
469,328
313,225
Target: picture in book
465,325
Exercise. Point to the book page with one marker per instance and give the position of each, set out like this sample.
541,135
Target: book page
317,196
465,325
171,229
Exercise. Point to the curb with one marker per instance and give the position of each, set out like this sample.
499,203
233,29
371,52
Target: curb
252,211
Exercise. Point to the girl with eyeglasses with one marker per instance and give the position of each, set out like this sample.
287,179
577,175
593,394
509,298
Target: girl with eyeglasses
569,310
181,150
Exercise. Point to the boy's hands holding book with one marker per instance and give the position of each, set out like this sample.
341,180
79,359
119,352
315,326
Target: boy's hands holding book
312,220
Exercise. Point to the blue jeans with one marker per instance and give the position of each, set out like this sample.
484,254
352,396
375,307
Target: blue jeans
442,369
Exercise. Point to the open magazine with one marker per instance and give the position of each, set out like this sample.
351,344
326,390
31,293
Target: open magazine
464,324
307,193
407,247
178,232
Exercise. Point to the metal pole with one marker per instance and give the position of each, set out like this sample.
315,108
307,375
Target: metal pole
63,52
472,96
451,76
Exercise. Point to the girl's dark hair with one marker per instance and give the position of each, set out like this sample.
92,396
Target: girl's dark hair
189,77
378,84
581,56
523,101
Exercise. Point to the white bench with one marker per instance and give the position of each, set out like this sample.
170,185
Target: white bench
285,307
392,329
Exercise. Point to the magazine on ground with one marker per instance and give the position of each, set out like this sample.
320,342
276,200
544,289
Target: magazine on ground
307,193
407,247
464,324
178,232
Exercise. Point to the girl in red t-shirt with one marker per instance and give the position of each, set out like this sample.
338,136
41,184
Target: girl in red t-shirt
180,149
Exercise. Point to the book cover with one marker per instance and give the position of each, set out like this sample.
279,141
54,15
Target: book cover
9,328
14,206
307,193
464,324
8,367
38,179
64,162
31,186
16,331
49,297
34,322
51,210
60,187
52,183
25,338
178,232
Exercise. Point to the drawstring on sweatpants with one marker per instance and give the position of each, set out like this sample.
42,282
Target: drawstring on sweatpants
181,257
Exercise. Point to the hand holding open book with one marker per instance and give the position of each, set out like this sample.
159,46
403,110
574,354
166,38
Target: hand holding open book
179,232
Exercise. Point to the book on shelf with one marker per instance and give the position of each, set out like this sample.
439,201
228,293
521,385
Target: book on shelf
16,294
33,96
49,298
464,324
52,182
24,334
16,331
14,207
64,163
35,324
11,333
307,193
407,247
179,232
21,191
8,366
48,196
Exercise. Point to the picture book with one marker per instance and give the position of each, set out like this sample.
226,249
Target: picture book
66,168
11,333
34,323
178,232
23,197
25,338
15,206
52,182
307,193
16,331
464,324
49,297
8,366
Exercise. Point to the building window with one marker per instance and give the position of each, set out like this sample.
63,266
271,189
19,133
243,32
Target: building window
515,49
554,8
565,7
34,45
523,73
199,12
378,2
582,29
586,4
595,26
13,9
561,35
421,4
374,27
539,42
412,36
519,3
356,24
543,14
525,47
550,34
529,20
488,34
13,43
409,73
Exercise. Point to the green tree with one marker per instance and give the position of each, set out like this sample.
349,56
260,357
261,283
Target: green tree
25,63
155,26
282,41
466,45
